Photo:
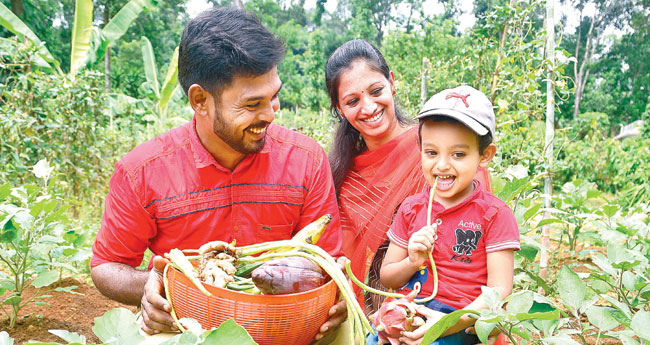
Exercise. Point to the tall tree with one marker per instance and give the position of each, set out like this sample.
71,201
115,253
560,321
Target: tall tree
589,35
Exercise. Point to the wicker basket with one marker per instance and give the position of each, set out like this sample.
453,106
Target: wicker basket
291,319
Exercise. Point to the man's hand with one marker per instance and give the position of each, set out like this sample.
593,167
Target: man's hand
337,314
155,308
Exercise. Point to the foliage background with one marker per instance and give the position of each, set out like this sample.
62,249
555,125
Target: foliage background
82,124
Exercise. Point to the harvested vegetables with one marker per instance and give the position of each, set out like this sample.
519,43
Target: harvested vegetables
217,263
359,325
288,275
300,246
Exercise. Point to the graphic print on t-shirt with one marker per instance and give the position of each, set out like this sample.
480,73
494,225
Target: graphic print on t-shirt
466,243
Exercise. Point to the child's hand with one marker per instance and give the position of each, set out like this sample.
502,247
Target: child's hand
420,244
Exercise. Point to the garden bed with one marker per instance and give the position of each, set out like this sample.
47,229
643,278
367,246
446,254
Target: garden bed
71,312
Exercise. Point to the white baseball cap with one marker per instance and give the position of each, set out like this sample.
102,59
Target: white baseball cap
465,104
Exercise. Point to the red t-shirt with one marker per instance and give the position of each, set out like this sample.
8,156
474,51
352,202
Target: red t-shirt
480,224
171,193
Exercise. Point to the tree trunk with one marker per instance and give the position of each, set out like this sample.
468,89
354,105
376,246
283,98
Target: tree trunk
582,74
238,3
107,56
17,8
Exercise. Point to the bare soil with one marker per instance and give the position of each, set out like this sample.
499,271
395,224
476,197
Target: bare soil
71,312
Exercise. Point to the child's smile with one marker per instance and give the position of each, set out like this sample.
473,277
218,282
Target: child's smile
450,152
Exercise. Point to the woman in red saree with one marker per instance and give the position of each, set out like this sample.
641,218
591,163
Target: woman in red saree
375,158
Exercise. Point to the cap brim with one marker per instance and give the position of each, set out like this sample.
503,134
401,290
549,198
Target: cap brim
462,117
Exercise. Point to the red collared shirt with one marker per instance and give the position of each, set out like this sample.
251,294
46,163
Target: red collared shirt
171,193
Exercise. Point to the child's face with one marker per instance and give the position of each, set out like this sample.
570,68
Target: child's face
450,152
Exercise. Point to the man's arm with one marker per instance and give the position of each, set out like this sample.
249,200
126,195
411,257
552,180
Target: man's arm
119,247
120,282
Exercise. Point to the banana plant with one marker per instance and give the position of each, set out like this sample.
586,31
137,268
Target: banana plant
89,43
162,93
12,23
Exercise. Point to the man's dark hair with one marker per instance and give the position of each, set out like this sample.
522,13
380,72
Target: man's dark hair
483,140
221,43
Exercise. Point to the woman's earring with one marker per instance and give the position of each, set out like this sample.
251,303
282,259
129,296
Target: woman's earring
394,91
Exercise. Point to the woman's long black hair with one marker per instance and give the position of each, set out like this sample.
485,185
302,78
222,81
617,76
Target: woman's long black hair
348,142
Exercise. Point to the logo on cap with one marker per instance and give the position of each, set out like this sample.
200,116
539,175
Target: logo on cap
458,95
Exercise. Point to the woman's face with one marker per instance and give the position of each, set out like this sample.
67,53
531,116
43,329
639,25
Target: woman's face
366,101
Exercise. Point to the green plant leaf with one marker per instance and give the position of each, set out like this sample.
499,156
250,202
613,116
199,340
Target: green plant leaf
548,315
562,339
640,323
622,258
171,82
610,210
443,324
531,211
601,317
229,332
121,21
520,302
13,300
5,191
540,281
550,221
12,23
9,232
81,31
5,339
622,307
45,279
118,325
483,330
491,297
149,62
68,336
572,290
69,289
529,252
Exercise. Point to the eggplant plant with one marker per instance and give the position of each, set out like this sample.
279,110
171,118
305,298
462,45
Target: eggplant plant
29,214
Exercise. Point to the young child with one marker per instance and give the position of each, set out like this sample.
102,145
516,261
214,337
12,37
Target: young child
473,234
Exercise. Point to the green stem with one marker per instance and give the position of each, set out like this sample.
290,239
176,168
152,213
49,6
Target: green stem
171,306
365,287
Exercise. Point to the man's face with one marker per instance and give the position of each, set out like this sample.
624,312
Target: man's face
245,109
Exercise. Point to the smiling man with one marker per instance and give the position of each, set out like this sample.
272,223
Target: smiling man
229,174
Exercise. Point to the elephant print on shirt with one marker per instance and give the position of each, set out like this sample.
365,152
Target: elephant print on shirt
466,241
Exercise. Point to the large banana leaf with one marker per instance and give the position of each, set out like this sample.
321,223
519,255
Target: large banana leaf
118,25
149,62
81,31
12,23
171,82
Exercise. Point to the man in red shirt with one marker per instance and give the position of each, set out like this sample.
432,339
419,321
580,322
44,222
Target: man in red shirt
227,175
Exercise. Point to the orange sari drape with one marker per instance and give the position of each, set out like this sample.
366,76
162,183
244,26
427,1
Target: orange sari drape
376,184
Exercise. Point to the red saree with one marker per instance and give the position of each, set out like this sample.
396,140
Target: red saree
375,186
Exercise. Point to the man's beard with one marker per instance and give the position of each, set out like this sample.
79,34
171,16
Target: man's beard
230,137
